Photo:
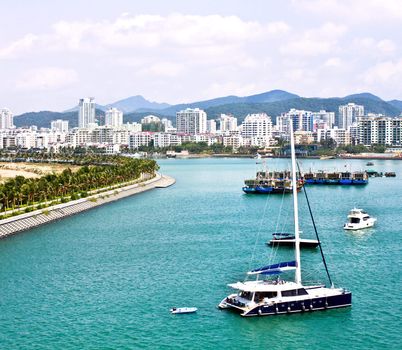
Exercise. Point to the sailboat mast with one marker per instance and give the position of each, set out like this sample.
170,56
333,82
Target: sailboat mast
295,205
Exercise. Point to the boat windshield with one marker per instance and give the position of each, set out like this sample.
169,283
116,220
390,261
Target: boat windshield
354,220
246,295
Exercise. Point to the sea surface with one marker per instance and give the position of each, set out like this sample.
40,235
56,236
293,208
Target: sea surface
106,278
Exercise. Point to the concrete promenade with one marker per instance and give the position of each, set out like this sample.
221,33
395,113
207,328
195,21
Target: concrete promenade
39,217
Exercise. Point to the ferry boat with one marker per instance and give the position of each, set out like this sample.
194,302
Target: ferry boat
336,178
277,182
359,219
266,296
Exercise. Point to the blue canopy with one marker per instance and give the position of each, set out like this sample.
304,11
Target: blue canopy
274,269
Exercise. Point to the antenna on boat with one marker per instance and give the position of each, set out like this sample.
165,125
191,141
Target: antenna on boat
295,205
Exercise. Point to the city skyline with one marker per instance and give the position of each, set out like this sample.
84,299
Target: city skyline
157,50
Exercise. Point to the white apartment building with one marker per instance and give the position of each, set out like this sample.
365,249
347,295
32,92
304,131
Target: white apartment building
211,126
86,112
6,119
302,120
162,140
233,141
323,120
259,127
348,114
167,125
59,125
227,123
133,127
113,117
191,121
379,130
139,139
341,137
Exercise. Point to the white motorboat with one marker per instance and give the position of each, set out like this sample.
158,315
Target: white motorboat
359,219
183,310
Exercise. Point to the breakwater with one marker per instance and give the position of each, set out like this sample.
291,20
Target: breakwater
39,217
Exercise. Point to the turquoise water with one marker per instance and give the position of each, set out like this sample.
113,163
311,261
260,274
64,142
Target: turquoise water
105,279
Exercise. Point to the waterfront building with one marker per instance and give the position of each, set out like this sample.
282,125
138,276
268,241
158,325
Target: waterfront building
233,141
86,112
227,123
139,139
377,129
191,121
113,117
257,127
341,137
211,126
59,125
162,140
302,120
6,119
304,137
348,114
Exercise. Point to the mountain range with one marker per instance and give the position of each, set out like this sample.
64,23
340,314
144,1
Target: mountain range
272,102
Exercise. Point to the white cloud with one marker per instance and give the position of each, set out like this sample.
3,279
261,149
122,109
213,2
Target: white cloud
47,78
353,11
386,46
19,46
315,42
333,62
384,72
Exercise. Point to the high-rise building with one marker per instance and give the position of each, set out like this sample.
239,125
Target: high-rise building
59,125
348,114
257,125
191,121
113,117
211,126
6,119
227,123
379,130
86,112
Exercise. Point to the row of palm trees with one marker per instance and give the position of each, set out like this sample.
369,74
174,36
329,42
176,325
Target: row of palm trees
20,191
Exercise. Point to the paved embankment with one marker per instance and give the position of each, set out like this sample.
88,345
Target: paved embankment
39,217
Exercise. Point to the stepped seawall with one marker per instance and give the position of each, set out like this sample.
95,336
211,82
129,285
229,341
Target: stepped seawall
24,222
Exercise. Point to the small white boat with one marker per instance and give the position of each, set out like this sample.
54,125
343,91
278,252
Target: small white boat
359,219
183,310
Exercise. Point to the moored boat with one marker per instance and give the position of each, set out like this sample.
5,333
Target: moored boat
288,239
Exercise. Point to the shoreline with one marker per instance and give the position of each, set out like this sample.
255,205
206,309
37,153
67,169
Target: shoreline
27,221
358,156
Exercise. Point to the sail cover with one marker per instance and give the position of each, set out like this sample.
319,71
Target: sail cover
274,269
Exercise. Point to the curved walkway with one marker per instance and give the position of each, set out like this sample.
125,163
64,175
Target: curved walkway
39,217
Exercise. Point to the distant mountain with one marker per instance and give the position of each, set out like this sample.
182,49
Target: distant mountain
397,104
273,103
270,96
366,95
42,119
310,104
134,103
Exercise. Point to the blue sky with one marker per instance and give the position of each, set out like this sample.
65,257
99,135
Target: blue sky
54,52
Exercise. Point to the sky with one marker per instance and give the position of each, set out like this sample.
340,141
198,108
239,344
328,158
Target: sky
53,52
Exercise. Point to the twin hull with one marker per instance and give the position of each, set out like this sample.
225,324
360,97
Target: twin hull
287,307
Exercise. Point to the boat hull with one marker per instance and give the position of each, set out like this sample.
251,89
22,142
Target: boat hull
298,306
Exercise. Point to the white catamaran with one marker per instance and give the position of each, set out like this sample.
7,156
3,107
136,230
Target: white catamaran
266,296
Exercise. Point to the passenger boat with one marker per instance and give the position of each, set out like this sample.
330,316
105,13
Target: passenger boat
288,239
359,219
183,310
275,182
336,178
266,296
